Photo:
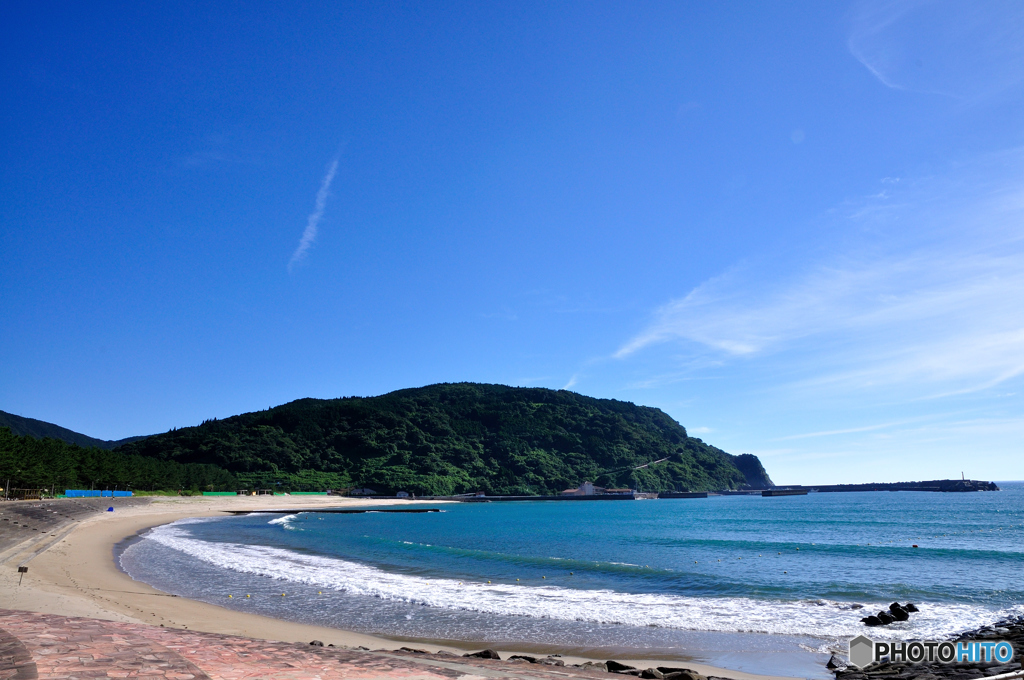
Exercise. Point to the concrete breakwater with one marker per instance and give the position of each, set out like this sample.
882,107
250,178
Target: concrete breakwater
944,485
683,494
332,511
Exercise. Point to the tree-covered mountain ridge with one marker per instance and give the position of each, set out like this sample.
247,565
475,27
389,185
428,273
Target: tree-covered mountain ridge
40,429
458,438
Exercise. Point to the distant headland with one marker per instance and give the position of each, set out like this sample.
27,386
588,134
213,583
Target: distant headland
947,485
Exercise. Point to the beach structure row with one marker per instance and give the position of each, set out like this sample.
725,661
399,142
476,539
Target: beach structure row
96,493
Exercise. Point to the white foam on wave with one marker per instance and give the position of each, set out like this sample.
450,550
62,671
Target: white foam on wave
285,521
822,618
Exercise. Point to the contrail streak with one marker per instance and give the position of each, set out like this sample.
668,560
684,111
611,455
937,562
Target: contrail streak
309,235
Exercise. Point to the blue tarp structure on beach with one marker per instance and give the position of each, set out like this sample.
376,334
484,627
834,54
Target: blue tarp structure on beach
89,493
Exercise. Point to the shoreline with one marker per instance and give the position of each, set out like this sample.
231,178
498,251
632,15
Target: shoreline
78,576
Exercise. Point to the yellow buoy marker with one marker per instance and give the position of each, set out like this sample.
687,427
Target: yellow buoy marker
248,595
229,595
543,576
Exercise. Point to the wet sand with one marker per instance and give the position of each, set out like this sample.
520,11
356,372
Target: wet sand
77,576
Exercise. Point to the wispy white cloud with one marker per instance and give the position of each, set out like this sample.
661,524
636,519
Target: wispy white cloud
572,382
313,221
849,430
968,51
939,307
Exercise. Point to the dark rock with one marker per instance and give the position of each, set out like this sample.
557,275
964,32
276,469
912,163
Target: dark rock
834,663
317,643
595,665
413,651
910,607
445,652
550,661
485,654
872,621
652,674
616,667
899,613
522,657
886,618
681,674
363,649
998,670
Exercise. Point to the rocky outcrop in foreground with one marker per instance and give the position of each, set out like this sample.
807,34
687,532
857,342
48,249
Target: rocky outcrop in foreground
1011,630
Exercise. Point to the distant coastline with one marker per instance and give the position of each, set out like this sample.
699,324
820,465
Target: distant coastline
940,485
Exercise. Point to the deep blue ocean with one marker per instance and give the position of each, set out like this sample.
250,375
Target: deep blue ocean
766,585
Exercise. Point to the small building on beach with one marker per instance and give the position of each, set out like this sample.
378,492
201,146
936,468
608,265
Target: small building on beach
584,489
362,492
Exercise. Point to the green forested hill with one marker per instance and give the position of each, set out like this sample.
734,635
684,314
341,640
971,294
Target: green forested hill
41,429
47,463
457,438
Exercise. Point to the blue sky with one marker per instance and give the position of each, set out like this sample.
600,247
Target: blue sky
795,227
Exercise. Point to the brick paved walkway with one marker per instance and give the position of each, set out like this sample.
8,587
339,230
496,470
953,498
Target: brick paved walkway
47,646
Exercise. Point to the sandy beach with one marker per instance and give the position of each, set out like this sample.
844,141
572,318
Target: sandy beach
77,576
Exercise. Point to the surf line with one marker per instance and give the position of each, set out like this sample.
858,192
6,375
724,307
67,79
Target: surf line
336,511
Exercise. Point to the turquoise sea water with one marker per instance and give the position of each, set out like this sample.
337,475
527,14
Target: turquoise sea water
760,584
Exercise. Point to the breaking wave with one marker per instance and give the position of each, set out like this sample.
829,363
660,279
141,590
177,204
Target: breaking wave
820,617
